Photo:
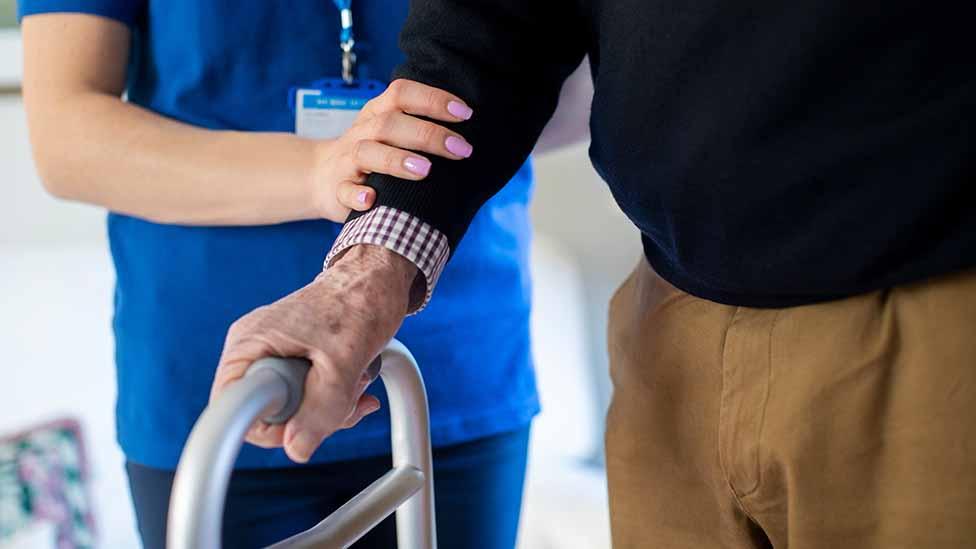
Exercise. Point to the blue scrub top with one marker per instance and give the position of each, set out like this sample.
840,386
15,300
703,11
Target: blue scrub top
227,64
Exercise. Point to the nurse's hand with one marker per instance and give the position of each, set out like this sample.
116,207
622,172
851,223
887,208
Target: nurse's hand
340,322
382,140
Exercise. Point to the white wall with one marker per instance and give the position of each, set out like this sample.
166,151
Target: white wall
29,216
573,205
11,65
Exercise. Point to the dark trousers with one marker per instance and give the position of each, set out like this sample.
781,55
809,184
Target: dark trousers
477,491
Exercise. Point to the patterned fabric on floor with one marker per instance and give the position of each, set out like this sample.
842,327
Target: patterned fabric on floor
43,478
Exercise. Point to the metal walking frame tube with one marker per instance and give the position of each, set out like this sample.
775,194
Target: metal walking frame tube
272,389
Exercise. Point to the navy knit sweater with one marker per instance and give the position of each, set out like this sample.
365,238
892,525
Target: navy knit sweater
771,153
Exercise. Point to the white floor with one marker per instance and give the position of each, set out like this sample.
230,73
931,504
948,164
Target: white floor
56,337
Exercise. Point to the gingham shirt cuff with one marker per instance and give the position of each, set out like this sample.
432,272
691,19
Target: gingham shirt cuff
396,230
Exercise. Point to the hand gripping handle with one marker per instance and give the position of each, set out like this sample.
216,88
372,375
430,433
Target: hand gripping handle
293,372
272,389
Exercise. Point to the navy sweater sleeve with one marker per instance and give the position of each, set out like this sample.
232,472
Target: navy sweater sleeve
507,59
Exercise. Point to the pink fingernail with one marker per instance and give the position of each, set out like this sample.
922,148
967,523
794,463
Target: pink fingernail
419,166
458,146
361,197
459,110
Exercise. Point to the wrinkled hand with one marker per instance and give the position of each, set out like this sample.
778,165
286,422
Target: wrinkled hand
340,322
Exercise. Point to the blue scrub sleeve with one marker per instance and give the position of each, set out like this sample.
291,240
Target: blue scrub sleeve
124,11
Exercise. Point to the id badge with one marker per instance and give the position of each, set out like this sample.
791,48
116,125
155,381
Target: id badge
327,108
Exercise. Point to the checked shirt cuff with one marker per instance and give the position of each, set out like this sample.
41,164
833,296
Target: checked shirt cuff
404,234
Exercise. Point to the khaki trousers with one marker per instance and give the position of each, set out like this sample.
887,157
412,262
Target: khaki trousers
848,424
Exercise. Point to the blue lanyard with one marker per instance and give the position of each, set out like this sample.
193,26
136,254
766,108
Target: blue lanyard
346,42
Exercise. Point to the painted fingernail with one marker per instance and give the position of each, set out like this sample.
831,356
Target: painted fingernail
458,146
419,166
361,197
459,110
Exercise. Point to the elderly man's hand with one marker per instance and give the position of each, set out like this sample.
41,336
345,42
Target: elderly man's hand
340,322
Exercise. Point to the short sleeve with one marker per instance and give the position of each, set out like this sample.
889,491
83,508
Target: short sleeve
124,11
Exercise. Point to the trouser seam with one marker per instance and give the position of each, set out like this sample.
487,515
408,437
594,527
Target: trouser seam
722,416
723,448
765,403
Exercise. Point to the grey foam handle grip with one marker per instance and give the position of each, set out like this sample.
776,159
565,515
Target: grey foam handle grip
293,372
